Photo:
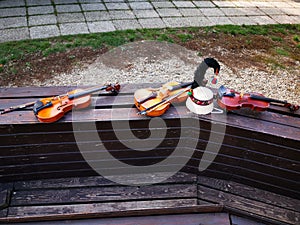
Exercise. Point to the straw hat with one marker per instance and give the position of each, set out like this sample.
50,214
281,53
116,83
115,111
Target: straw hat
200,100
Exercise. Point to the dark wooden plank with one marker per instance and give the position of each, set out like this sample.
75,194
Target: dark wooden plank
248,205
186,219
250,192
21,92
110,209
102,194
261,184
97,181
276,118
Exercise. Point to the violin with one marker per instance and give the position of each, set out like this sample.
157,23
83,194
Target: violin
155,102
51,109
231,100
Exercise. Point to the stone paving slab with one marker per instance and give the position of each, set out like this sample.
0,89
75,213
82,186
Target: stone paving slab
11,3
44,31
41,20
73,28
39,10
14,34
101,26
32,19
146,13
11,22
97,16
127,24
152,23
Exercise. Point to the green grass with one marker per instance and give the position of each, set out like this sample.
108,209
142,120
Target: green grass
296,38
281,51
17,50
276,38
256,30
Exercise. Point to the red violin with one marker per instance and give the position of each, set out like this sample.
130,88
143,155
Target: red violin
231,100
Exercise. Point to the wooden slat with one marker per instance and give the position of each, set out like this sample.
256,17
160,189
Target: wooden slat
248,205
21,92
133,208
276,118
250,193
102,194
186,219
261,184
98,181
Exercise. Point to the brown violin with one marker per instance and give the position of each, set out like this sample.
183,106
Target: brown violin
155,102
51,109
231,100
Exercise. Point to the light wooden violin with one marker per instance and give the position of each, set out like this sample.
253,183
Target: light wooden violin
155,102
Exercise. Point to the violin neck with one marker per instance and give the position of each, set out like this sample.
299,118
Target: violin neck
86,92
265,99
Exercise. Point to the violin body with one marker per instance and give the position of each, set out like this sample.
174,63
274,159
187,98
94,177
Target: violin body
149,97
61,105
160,110
241,101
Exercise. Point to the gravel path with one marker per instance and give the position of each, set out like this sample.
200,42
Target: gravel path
152,62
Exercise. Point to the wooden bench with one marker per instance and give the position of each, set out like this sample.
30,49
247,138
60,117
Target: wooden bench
182,199
258,150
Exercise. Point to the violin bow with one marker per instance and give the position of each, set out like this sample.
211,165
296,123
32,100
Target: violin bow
17,107
153,107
